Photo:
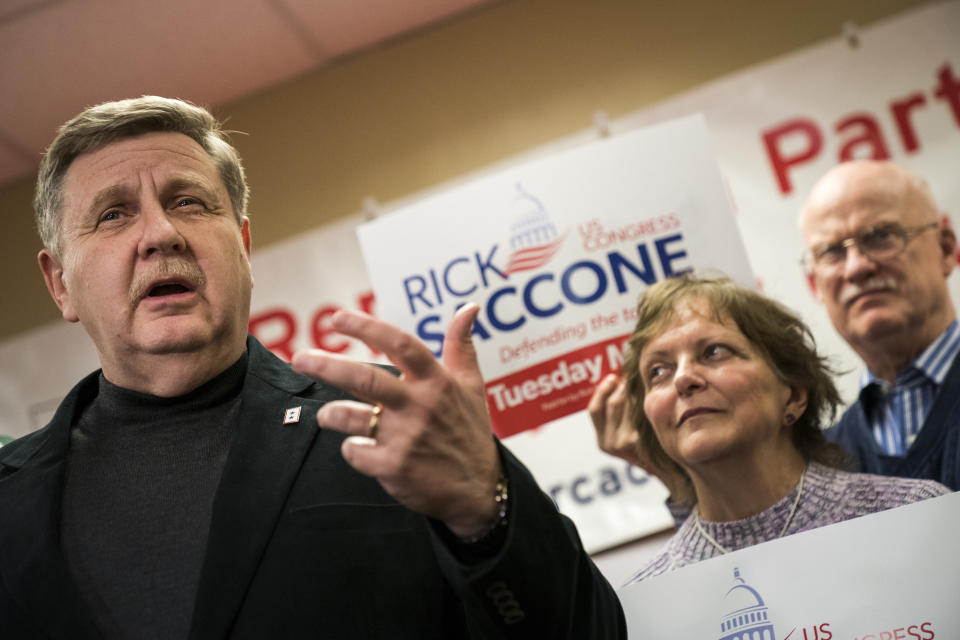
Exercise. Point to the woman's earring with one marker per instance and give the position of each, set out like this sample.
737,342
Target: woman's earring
790,418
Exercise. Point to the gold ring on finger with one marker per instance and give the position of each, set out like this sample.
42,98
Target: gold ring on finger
375,421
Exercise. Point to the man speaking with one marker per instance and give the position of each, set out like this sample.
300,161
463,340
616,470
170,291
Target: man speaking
198,487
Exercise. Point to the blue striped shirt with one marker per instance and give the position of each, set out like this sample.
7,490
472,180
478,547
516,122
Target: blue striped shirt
897,412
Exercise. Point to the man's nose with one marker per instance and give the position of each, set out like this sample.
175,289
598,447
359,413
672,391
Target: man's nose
160,233
856,265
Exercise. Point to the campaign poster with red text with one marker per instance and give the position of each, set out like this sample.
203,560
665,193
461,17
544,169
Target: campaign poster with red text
556,252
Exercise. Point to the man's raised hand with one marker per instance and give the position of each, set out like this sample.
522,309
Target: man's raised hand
433,449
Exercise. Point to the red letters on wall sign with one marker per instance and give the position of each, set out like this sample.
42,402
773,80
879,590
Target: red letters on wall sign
949,90
281,319
804,129
798,141
277,328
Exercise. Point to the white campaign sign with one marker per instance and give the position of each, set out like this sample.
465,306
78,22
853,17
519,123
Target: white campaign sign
556,252
893,575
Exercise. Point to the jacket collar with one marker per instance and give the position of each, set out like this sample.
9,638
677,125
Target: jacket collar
264,458
31,562
273,371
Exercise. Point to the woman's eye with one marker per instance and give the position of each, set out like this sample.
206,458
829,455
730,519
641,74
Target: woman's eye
655,372
717,351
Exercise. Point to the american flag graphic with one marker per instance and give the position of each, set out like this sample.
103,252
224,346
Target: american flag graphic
532,257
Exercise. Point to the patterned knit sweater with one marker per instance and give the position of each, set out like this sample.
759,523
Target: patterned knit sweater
828,496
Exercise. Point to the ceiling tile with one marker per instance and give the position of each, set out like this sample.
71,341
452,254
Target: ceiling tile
59,56
343,26
15,9
57,61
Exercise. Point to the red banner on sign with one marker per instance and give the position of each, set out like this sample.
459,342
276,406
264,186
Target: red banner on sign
551,389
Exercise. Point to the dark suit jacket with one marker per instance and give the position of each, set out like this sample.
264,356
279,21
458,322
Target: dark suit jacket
301,545
935,454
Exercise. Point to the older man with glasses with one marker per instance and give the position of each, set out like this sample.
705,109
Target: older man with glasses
878,257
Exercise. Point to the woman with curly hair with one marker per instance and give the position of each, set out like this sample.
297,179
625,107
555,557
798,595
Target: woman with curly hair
728,395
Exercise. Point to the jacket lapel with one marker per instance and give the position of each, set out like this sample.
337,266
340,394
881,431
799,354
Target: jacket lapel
31,561
262,465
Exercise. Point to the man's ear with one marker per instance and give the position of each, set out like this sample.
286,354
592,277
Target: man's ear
948,244
245,233
52,270
814,289
247,241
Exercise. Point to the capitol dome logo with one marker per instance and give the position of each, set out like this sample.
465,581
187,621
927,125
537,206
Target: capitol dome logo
534,239
746,617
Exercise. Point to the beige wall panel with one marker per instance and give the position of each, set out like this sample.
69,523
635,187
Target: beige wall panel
459,96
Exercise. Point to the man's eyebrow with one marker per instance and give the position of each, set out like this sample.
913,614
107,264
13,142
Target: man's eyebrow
105,197
117,193
184,182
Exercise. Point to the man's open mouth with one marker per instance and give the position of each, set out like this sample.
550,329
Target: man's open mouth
168,289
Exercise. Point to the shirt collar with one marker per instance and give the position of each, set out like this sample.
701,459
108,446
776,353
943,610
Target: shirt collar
931,365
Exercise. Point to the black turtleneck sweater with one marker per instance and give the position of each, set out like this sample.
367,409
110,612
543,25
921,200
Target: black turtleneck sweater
141,476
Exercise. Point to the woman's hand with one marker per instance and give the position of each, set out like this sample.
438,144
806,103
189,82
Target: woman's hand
611,413
611,410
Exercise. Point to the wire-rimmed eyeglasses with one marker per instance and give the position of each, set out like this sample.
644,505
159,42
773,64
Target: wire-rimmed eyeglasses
878,243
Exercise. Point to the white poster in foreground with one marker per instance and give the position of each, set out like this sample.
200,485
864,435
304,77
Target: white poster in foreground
556,252
893,575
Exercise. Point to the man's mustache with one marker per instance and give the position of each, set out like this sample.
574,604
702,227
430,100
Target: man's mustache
186,271
877,283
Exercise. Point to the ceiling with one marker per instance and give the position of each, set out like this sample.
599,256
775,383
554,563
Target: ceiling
59,56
